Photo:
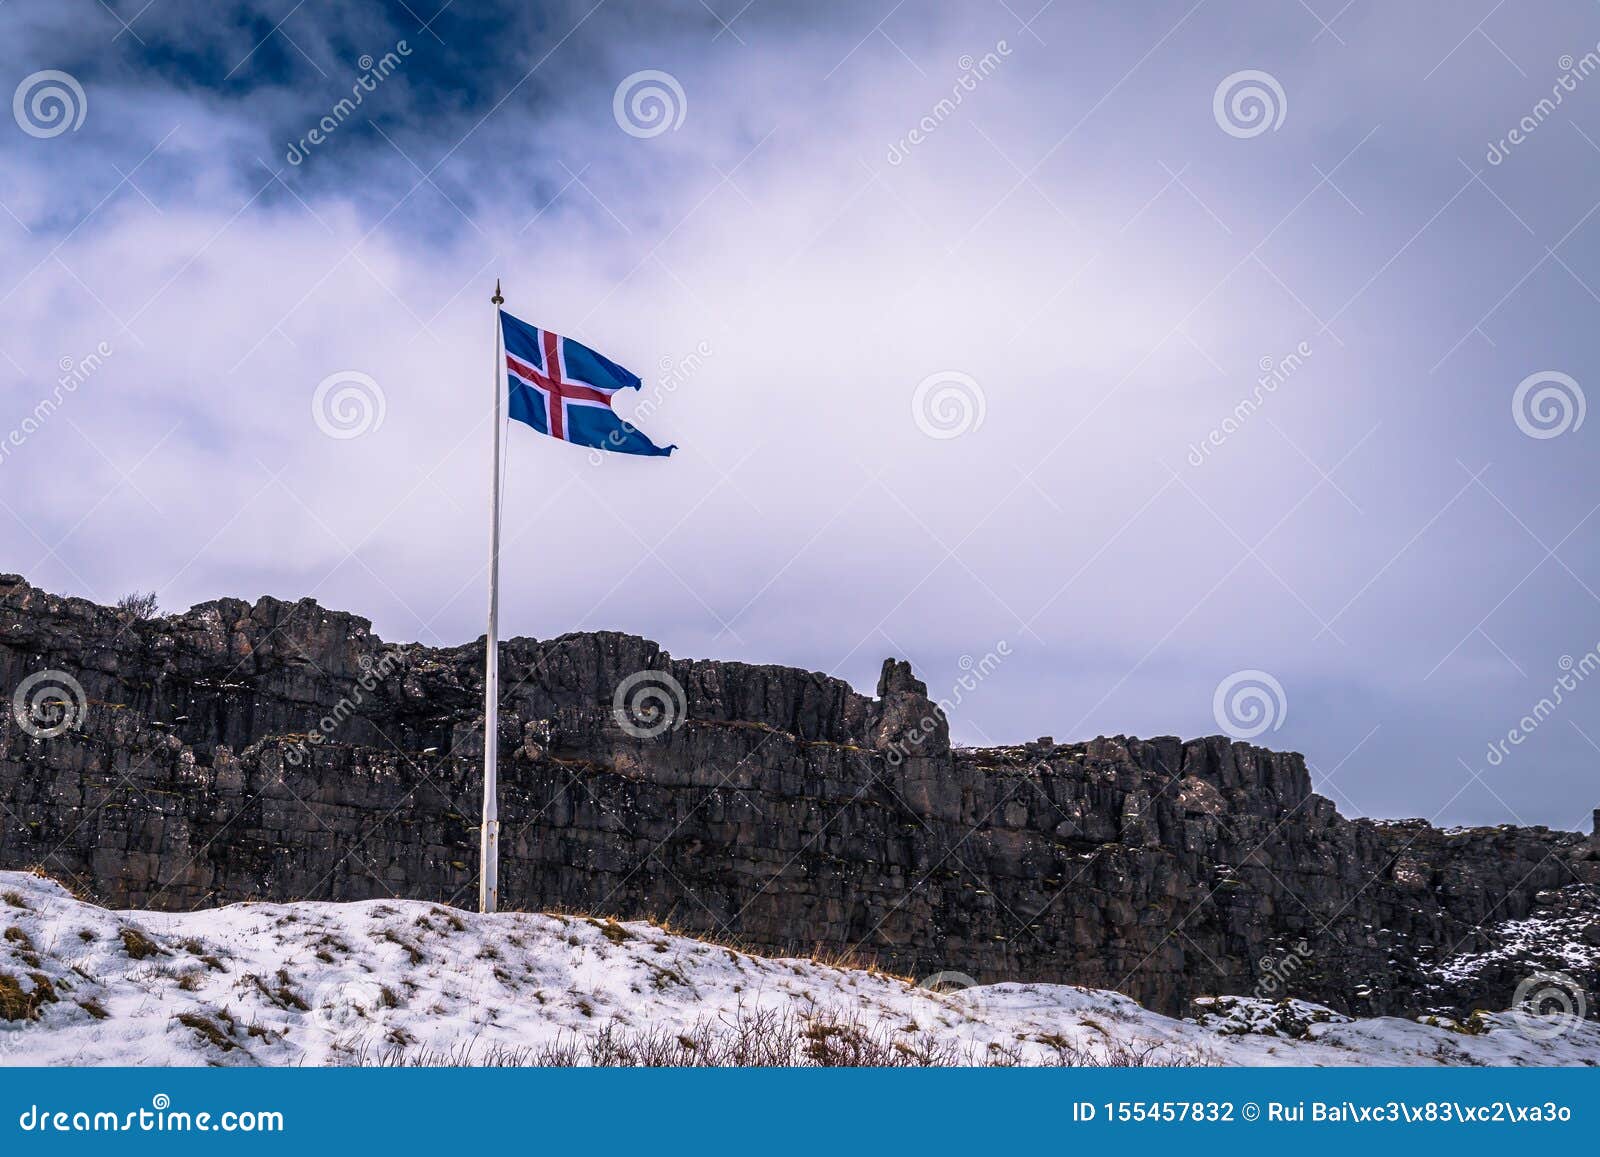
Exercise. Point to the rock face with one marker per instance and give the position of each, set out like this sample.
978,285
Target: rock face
282,751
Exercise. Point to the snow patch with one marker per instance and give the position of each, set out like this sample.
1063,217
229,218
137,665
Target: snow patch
410,981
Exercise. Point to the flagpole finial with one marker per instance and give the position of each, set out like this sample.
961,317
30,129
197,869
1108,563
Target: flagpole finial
497,299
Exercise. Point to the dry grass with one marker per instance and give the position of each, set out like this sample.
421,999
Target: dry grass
768,1038
610,927
208,1030
138,946
23,946
74,888
16,1004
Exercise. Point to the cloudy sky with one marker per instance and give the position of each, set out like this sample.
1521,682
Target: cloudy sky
959,313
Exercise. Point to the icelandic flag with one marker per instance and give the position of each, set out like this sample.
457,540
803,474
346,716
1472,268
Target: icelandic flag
563,388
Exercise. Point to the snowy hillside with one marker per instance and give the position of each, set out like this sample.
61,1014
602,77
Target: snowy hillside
404,982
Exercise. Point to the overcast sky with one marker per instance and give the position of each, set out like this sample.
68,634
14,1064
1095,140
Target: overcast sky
970,390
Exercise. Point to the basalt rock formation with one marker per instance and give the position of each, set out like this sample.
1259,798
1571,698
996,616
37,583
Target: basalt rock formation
282,751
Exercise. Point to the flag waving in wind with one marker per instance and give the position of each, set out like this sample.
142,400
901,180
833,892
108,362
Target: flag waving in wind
563,388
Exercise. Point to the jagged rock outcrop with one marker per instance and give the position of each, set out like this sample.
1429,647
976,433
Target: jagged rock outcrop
282,751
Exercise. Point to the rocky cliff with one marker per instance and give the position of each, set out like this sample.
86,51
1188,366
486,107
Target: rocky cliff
282,751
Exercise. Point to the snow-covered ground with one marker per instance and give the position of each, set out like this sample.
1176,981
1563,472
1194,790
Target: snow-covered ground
413,982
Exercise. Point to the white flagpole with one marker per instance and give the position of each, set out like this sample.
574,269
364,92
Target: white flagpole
489,850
